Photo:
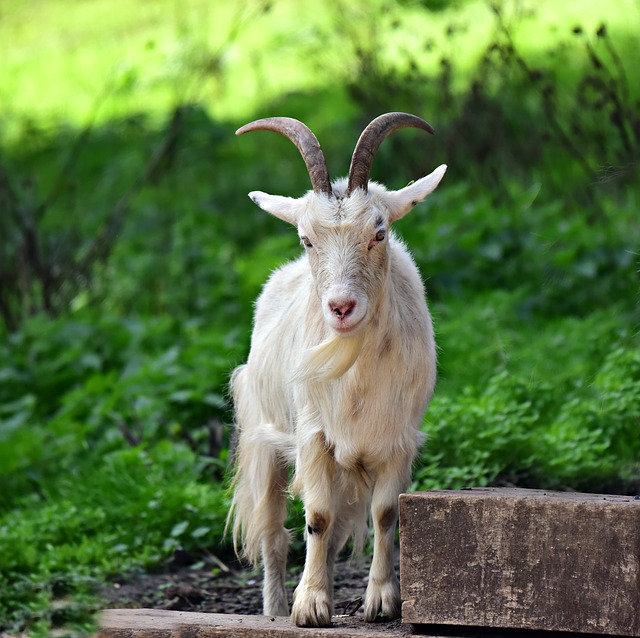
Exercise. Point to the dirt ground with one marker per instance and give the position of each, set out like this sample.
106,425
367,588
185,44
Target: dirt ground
231,589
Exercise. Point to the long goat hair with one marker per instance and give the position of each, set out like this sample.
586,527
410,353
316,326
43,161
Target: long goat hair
341,369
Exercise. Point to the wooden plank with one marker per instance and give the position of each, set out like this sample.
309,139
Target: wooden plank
528,559
155,623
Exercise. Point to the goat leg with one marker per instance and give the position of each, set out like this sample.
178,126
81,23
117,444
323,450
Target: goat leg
383,590
312,600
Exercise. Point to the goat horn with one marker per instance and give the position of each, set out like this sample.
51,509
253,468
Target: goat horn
370,141
307,143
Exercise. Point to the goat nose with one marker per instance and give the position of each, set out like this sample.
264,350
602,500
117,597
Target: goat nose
342,309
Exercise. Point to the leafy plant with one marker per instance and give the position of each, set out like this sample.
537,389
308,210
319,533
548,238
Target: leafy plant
133,510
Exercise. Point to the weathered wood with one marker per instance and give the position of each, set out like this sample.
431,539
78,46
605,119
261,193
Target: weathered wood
154,623
515,558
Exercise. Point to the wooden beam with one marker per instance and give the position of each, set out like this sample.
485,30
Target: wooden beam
155,623
528,559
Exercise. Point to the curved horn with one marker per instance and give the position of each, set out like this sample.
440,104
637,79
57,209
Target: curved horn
370,141
307,143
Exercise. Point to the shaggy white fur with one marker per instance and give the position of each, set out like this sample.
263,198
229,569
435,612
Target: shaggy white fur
341,369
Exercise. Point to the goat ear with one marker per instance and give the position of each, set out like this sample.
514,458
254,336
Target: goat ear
285,208
402,201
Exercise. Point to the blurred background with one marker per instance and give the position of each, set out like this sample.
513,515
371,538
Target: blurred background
130,255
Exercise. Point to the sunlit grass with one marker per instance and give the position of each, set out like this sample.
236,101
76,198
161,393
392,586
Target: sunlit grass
70,63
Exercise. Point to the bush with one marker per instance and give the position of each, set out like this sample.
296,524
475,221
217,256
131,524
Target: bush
134,509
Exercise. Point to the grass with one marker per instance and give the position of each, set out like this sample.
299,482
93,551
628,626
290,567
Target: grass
230,57
112,452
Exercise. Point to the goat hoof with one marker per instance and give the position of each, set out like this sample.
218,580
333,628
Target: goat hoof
311,609
382,602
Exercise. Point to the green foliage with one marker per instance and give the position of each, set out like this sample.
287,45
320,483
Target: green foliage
131,510
108,459
77,387
594,438
518,431
130,257
557,407
568,264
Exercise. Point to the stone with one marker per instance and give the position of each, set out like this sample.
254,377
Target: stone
521,559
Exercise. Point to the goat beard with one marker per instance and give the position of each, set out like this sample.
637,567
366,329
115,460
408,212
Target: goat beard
330,359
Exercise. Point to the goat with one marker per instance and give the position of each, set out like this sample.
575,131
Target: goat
341,368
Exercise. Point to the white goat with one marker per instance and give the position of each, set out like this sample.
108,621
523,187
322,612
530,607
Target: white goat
341,369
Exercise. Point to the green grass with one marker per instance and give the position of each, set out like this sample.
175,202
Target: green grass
232,57
110,452
552,404
133,510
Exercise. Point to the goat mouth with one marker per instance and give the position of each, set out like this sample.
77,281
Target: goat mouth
347,327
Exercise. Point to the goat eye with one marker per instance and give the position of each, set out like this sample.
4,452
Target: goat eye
306,242
380,235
